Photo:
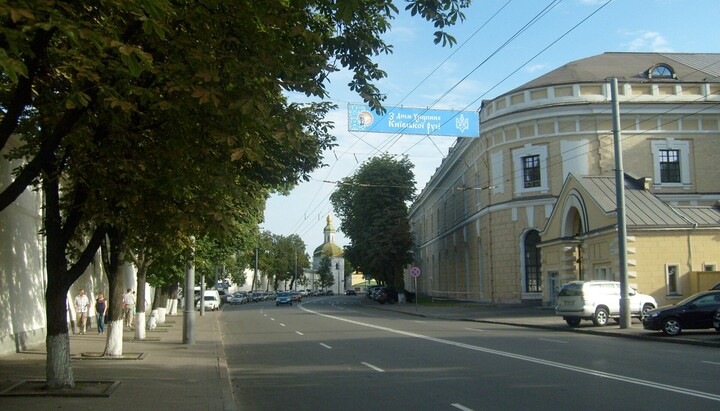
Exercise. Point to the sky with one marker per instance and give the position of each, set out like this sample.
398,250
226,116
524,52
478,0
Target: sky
501,45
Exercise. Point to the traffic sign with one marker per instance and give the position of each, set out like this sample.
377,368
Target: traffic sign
415,272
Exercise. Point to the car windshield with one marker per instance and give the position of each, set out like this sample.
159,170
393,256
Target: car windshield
282,294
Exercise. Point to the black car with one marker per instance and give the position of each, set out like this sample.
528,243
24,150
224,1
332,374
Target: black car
350,292
695,312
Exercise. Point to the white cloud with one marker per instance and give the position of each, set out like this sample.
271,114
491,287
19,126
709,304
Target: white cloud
647,41
535,68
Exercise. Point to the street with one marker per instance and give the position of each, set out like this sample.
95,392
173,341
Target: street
332,353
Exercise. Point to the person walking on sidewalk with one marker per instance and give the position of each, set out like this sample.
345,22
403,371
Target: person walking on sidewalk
82,306
129,307
101,306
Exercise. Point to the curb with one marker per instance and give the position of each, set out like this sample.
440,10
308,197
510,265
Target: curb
598,331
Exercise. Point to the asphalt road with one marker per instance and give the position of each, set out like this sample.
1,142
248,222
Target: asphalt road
331,353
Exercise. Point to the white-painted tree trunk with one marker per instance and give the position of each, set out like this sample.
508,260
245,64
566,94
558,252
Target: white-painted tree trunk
153,321
58,358
172,306
114,343
140,326
161,315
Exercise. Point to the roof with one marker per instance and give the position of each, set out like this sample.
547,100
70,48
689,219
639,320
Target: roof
690,67
328,249
644,209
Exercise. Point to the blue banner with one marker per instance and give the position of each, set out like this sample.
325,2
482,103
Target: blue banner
404,120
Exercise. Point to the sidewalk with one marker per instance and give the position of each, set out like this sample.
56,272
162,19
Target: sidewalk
541,317
160,373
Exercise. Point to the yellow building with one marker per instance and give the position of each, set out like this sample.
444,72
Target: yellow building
478,220
666,243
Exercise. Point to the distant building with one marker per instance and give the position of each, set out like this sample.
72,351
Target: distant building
481,222
337,261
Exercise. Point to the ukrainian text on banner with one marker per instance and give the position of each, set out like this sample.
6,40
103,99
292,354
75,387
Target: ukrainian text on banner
405,120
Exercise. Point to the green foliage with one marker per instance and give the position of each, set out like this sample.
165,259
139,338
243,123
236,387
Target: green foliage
166,120
373,206
325,274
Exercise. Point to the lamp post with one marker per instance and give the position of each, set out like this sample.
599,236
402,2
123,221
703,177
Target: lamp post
337,267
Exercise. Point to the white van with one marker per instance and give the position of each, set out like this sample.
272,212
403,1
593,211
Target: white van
211,300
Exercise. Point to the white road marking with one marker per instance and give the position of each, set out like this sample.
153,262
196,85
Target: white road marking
326,346
711,362
473,329
282,324
420,322
520,357
461,407
299,333
372,366
557,341
272,319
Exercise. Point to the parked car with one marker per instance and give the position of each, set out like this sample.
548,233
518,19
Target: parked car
295,296
371,290
283,298
695,312
238,298
350,292
598,301
716,320
329,292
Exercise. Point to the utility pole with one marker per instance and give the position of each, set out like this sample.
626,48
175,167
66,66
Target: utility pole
625,321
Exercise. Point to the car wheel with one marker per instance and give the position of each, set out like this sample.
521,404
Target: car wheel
645,309
601,317
573,322
671,327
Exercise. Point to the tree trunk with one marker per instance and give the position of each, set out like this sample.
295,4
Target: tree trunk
58,371
113,258
140,303
173,305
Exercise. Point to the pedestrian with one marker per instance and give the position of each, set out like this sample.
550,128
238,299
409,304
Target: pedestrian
129,307
82,305
101,306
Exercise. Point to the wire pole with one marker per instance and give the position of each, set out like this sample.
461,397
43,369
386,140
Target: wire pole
625,321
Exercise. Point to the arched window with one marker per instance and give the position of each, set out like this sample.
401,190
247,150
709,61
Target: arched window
533,275
661,71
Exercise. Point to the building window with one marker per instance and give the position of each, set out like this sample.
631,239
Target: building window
672,274
603,273
671,162
670,166
531,171
533,274
661,71
709,267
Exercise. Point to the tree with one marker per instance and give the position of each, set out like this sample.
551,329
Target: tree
373,205
325,275
169,117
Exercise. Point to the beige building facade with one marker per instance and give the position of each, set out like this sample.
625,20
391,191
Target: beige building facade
478,221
